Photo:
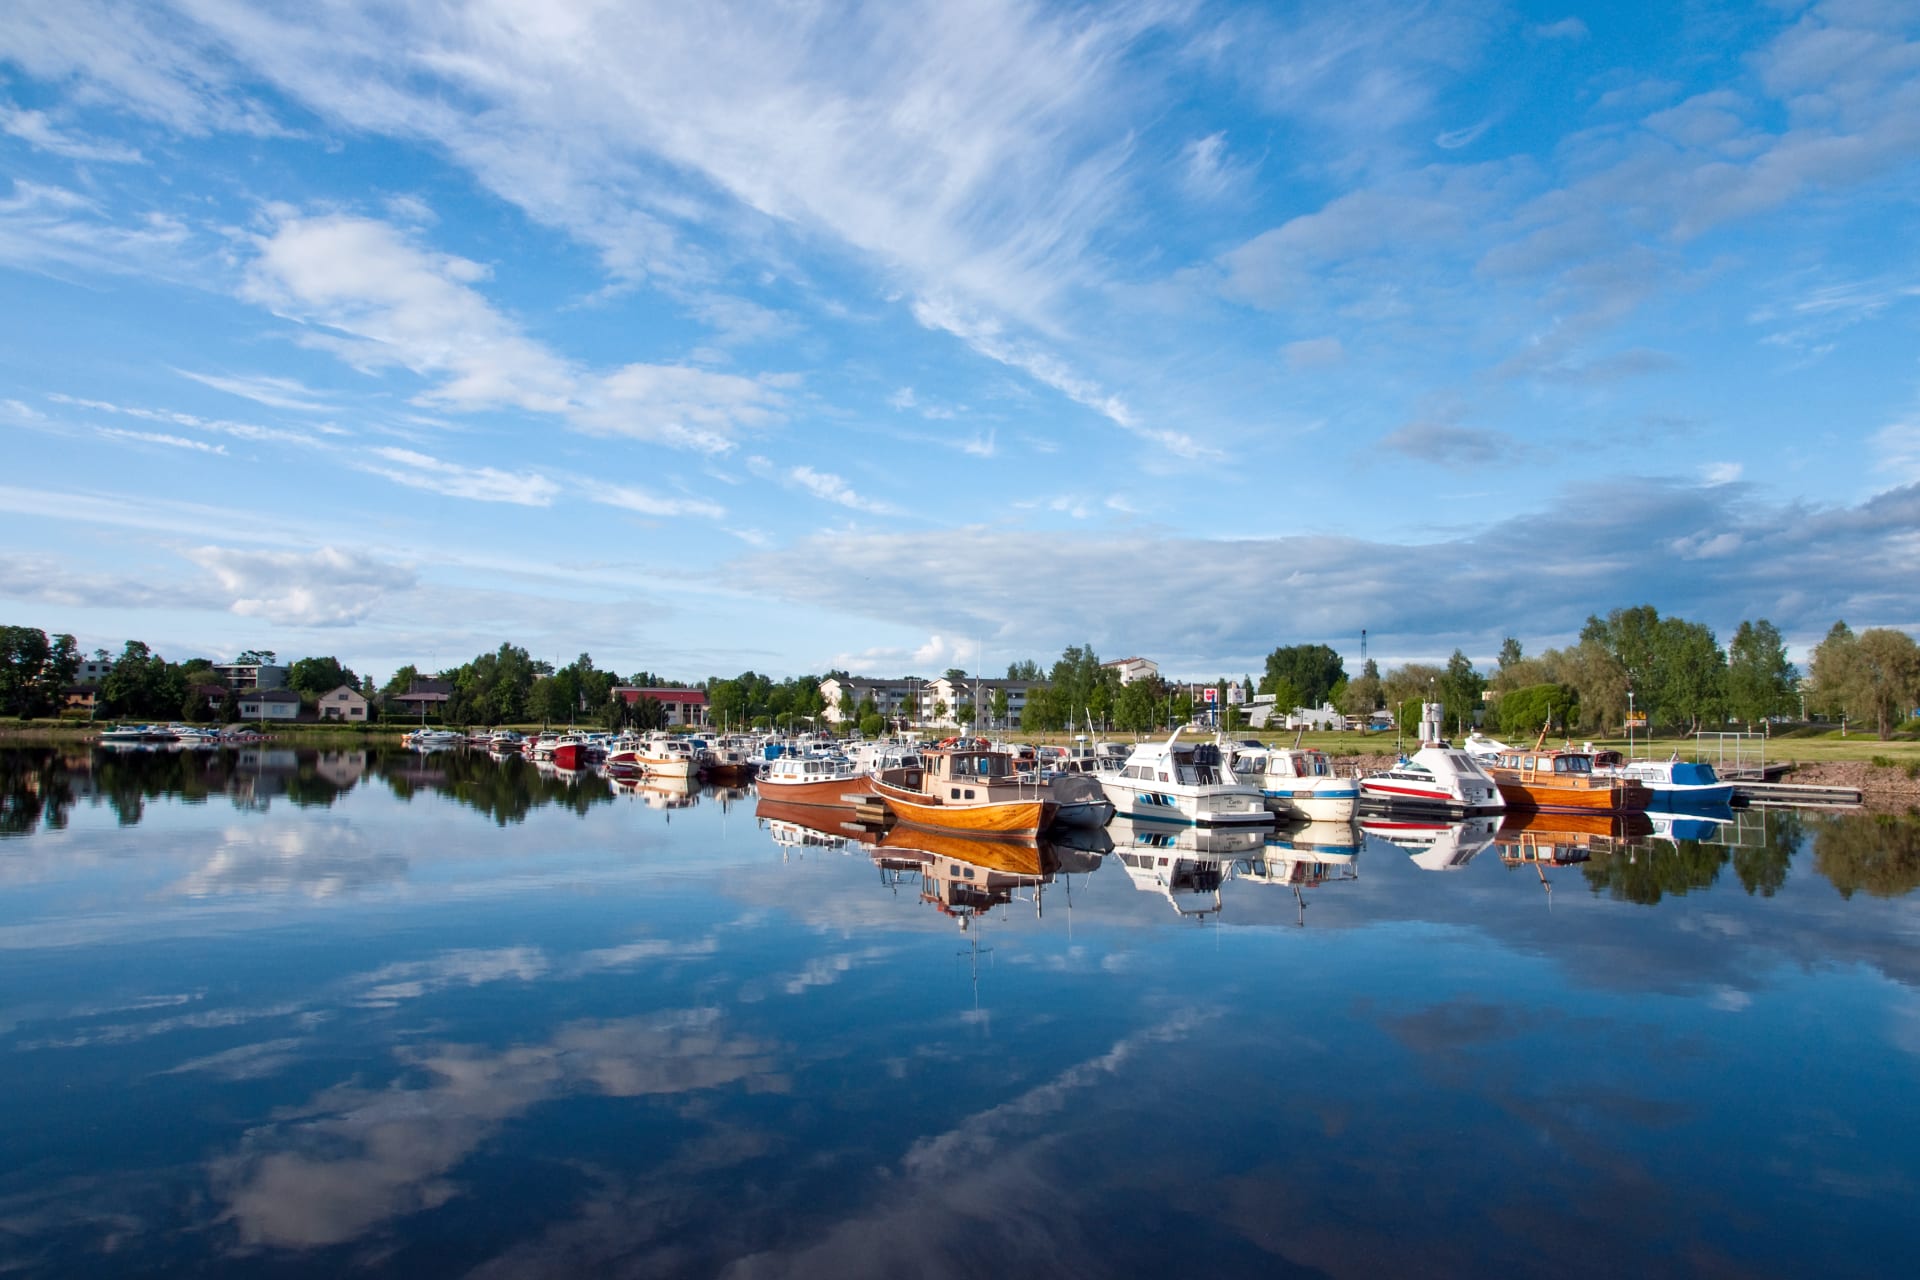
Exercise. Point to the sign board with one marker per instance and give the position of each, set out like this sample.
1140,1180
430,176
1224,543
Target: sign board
1637,721
1212,694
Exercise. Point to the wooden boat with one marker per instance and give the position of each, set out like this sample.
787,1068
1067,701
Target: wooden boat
964,785
1549,778
820,780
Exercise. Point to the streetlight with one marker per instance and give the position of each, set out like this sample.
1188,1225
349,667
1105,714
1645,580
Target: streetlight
1629,722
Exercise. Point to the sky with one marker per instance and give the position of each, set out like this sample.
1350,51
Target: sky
896,337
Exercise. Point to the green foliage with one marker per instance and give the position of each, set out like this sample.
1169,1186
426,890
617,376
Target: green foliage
1025,669
998,706
1135,708
1083,688
1311,669
315,676
1042,713
1523,711
33,670
873,726
1874,676
1760,680
1460,688
1285,696
1232,720
142,685
1510,653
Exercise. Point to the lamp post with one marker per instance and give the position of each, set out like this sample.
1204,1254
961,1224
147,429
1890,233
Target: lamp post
1629,724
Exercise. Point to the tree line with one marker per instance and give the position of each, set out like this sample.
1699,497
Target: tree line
1670,669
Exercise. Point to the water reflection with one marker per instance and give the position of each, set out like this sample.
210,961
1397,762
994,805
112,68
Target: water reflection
313,1015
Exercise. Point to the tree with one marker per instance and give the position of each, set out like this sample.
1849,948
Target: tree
1231,720
24,658
315,676
1025,669
939,710
256,658
1760,680
1362,696
872,726
1312,669
999,706
1510,653
957,675
1180,711
1133,708
1874,676
1690,671
1460,689
1829,670
1523,712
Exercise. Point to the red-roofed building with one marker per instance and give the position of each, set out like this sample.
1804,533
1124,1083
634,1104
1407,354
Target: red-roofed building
683,706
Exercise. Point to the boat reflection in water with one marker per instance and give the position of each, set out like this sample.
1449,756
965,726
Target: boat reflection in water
657,791
1699,823
1304,855
1434,845
797,827
1185,865
1542,838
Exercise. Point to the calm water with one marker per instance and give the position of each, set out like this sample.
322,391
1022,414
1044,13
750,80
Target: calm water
268,1013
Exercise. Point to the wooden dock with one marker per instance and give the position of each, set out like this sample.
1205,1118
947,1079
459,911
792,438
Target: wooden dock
1795,793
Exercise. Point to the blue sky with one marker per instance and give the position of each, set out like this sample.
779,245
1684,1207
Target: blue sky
902,336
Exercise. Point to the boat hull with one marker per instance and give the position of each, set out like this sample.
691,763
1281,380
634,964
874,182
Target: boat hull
990,817
831,792
1621,797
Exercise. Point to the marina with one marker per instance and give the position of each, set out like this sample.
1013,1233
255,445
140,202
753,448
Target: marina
337,1009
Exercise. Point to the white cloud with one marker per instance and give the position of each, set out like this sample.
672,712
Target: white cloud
824,484
376,300
37,131
1718,473
1313,353
275,393
327,587
1564,29
481,484
154,437
630,498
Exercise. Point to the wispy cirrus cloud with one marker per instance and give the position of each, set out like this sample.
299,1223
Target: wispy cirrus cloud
455,480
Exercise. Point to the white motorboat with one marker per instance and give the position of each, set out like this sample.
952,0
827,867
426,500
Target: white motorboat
1187,783
1298,782
1436,777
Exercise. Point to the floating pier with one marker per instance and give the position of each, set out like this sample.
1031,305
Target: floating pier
1795,793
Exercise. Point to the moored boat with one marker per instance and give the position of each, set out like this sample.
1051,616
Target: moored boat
965,788
1685,785
1563,779
814,780
1183,782
1435,778
1298,782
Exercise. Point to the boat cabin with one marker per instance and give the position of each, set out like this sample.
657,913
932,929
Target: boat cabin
1548,765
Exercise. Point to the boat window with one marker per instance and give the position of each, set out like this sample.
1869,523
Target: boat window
969,793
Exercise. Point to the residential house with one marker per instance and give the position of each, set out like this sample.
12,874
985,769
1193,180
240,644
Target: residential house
683,706
241,676
343,703
1131,669
425,695
269,704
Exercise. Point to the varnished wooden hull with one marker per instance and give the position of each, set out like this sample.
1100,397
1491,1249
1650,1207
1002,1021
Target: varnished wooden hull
1621,797
992,817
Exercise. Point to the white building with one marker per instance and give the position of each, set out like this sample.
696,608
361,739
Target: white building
1132,669
269,704
343,703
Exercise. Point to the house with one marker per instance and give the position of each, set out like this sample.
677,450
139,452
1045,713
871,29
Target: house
241,676
269,704
343,703
424,694
1131,669
79,697
92,671
683,706
209,696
